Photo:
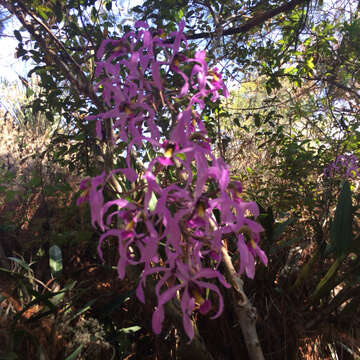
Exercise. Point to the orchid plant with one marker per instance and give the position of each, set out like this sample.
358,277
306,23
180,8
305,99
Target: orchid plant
174,229
346,165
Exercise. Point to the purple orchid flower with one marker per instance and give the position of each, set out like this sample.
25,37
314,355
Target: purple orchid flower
84,196
169,149
347,165
96,200
180,218
191,286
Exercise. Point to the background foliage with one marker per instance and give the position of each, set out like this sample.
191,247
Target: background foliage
292,68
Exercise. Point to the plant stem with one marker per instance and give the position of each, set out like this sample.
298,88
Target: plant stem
245,312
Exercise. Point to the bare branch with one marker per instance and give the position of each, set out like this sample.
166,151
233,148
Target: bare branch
77,78
255,21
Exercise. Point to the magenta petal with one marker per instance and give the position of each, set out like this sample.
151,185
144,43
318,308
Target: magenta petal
157,319
96,201
156,75
81,199
215,255
98,129
184,89
205,307
262,256
253,208
127,234
243,252
164,161
255,227
237,186
141,23
250,266
130,174
120,203
121,266
84,184
188,326
187,307
140,292
168,294
196,221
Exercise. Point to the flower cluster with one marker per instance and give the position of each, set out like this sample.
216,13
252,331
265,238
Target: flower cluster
345,165
188,206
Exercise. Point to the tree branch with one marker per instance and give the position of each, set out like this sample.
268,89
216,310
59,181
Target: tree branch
78,80
244,310
255,21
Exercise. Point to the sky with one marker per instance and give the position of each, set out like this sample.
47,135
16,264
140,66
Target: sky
10,67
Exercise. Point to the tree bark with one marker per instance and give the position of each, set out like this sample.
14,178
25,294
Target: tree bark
245,312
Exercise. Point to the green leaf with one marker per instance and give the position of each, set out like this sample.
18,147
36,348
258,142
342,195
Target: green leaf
181,156
83,310
94,15
110,307
341,228
10,195
108,6
59,296
237,122
130,329
307,270
310,63
290,70
18,35
58,11
281,227
43,10
152,202
38,299
75,353
29,92
137,9
180,15
9,356
55,260
257,120
20,262
327,283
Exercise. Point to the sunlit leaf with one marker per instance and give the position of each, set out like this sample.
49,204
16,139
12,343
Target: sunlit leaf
55,260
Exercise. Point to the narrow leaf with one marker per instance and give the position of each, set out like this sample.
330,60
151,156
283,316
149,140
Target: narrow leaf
341,228
327,283
20,262
75,353
130,329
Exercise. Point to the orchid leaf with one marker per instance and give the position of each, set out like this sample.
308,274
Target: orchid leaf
341,227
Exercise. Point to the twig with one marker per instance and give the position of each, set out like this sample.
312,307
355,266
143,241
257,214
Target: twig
253,22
